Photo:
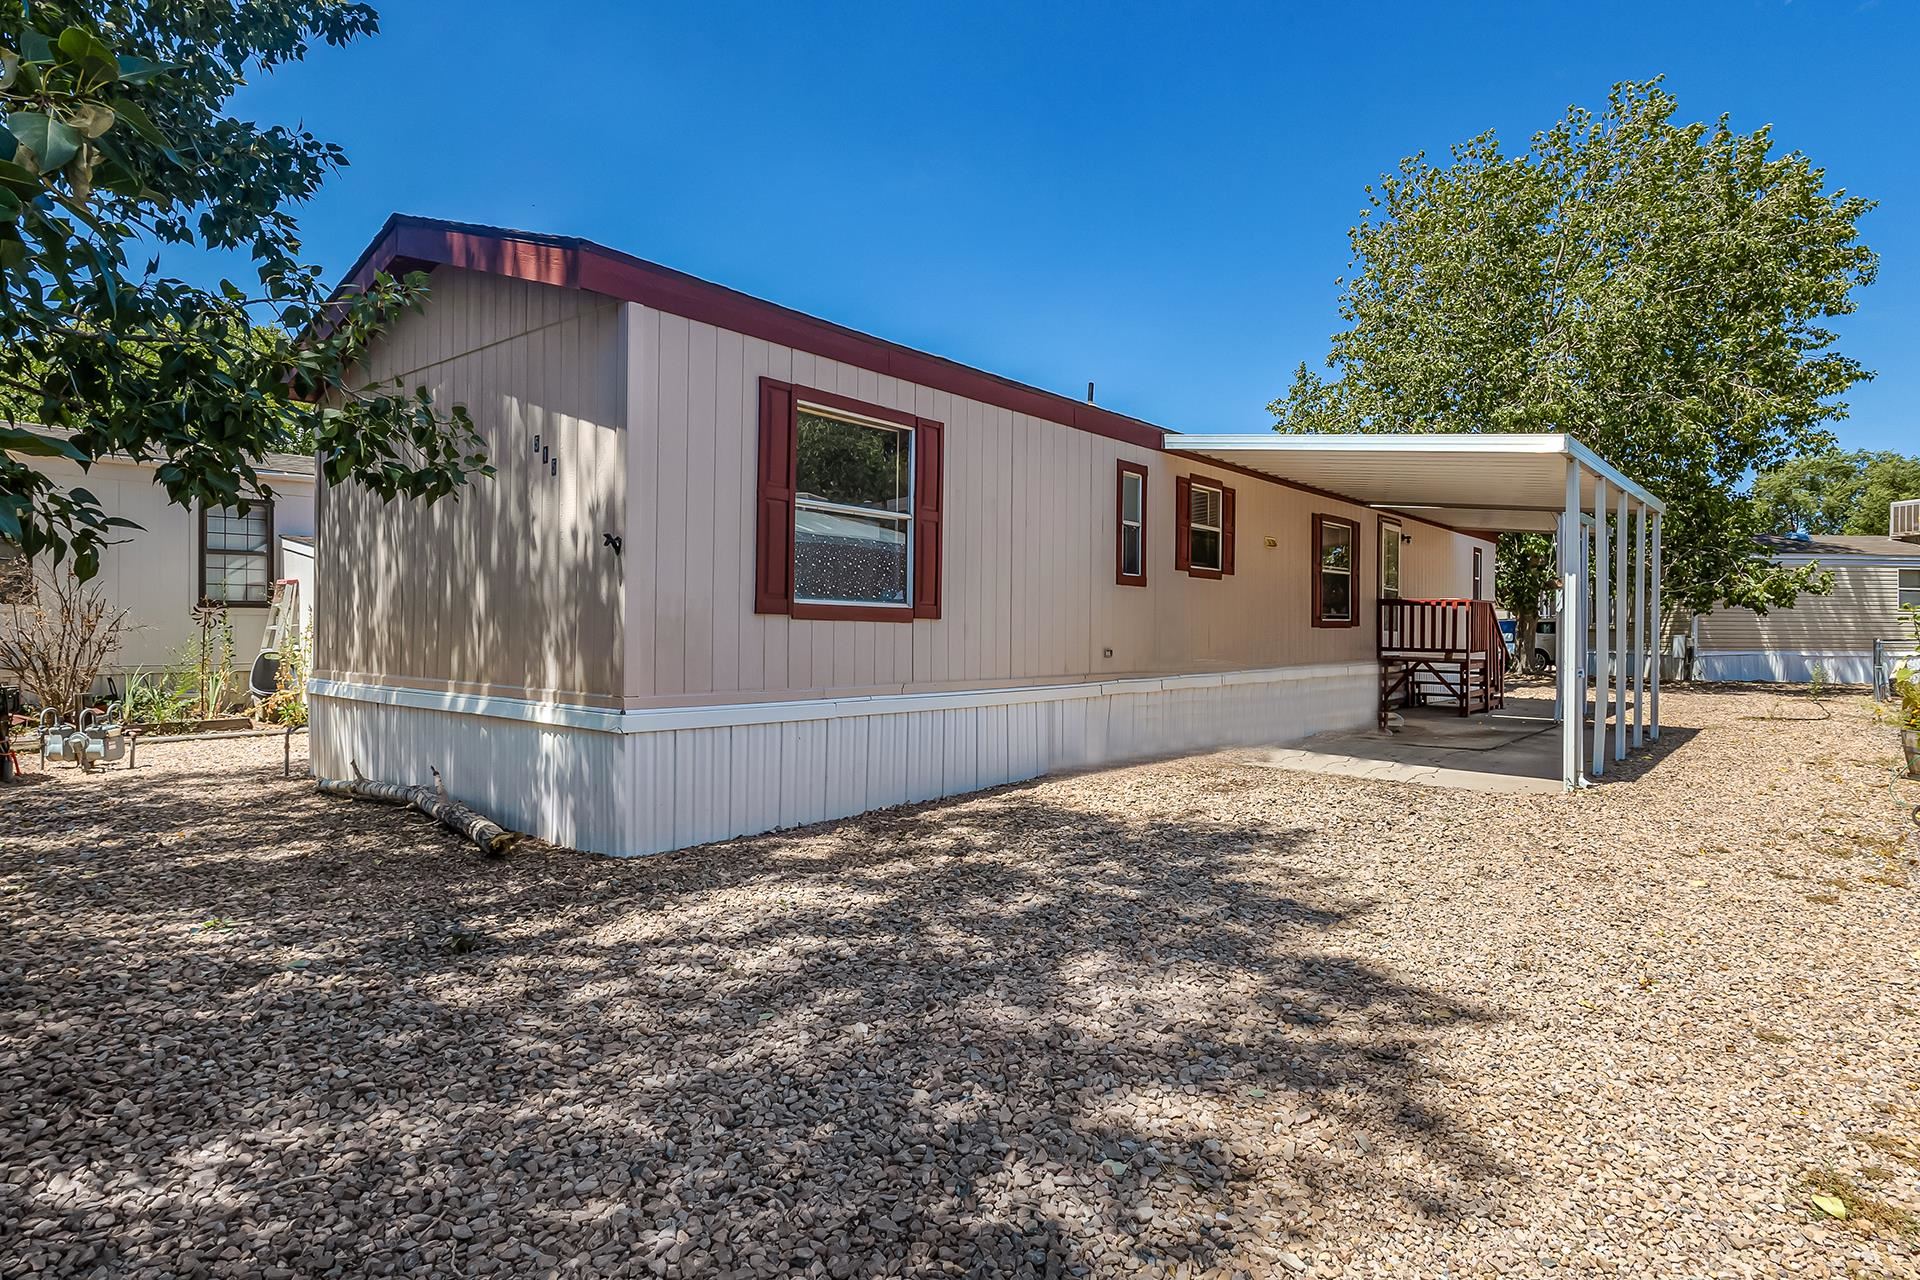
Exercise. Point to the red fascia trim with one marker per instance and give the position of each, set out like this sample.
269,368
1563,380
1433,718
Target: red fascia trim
570,263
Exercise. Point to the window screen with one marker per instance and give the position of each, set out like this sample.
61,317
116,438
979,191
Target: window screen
1204,529
853,511
1333,558
1133,514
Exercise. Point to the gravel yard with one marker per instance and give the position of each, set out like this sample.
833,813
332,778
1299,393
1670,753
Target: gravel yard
1188,1018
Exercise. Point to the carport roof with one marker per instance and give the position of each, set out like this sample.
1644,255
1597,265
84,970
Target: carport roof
1504,483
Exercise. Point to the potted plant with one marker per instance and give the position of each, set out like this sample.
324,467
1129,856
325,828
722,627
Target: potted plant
1904,684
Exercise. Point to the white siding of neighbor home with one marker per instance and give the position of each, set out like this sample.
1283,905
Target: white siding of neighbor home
1835,631
154,572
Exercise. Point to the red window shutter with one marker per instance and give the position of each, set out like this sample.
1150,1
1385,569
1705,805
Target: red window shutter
1226,531
1182,519
929,475
773,549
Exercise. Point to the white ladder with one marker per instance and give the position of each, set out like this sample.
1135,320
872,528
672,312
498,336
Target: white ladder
283,610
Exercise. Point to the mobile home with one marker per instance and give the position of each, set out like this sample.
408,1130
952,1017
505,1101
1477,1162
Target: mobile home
743,569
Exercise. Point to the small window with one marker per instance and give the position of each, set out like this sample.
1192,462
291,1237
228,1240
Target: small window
1389,560
1479,566
853,510
1910,588
1334,541
1206,526
236,554
1130,511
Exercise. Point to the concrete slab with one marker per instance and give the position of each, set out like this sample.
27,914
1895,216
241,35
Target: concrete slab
1514,751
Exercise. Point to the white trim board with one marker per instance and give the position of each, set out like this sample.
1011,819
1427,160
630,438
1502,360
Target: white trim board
722,715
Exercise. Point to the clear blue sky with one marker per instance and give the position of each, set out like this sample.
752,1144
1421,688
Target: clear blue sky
1154,198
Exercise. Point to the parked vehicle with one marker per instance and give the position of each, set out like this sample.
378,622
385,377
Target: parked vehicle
1545,646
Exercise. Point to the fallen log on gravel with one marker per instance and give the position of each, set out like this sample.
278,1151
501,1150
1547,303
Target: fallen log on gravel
494,840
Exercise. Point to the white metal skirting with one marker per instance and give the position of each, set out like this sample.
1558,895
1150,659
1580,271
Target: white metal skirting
647,781
1787,666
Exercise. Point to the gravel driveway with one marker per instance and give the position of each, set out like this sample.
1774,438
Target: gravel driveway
1189,1018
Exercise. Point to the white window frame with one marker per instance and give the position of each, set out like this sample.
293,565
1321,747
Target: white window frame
1903,594
1390,532
1218,530
266,555
1136,483
902,518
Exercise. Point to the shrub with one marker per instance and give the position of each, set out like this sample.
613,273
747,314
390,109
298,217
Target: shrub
1905,680
59,637
288,705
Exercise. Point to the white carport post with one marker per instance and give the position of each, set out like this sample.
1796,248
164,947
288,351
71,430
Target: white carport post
1653,699
1640,623
1572,694
1620,614
1602,623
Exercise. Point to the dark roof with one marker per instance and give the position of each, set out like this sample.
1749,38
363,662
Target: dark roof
409,243
299,464
1839,545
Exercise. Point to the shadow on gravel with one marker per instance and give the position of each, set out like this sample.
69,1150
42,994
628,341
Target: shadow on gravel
998,1034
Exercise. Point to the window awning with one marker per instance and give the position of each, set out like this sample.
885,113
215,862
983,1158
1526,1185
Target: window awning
1498,483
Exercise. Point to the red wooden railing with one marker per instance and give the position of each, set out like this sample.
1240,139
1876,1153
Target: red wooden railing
1444,628
1448,631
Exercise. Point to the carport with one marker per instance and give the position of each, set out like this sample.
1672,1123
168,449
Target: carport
1606,527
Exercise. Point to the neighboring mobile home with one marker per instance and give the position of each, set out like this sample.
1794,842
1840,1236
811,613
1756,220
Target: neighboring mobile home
1873,578
180,556
743,569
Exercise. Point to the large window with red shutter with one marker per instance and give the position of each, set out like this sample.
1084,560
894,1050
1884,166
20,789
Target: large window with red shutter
849,521
1203,527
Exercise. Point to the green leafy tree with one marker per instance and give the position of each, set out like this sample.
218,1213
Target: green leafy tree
1526,572
116,138
1835,492
1659,290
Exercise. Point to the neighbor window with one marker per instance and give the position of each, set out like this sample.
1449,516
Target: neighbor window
1910,587
1206,526
1334,543
1130,552
236,554
1479,568
853,510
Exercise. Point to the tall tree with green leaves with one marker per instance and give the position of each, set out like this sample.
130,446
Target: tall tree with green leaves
115,139
1835,492
1660,290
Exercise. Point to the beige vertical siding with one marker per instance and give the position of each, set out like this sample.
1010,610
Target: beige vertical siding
1028,593
508,590
1863,608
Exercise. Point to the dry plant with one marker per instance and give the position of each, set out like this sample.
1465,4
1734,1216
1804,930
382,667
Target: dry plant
16,575
57,640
